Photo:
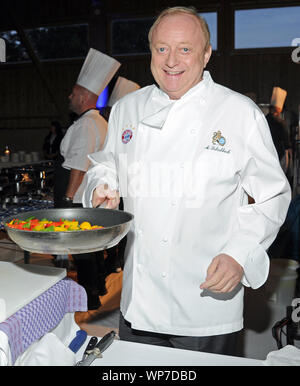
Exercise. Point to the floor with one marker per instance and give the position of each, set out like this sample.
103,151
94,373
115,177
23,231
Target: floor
260,315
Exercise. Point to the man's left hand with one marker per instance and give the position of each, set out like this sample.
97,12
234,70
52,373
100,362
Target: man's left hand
223,274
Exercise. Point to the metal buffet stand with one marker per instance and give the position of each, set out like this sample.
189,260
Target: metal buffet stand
25,187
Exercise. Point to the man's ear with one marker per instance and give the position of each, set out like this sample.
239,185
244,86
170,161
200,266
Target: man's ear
207,55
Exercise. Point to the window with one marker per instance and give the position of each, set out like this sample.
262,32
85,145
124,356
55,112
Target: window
212,21
15,51
58,42
130,36
266,27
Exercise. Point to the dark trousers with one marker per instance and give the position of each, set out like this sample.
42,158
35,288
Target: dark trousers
287,242
225,344
91,271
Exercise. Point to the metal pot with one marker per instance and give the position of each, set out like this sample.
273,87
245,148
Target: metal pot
116,225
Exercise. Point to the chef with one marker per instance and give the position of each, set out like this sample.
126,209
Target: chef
86,135
184,155
88,132
121,88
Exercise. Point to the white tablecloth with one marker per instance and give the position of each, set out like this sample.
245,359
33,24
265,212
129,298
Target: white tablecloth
122,353
51,350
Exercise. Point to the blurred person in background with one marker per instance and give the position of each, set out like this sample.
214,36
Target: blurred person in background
278,127
51,146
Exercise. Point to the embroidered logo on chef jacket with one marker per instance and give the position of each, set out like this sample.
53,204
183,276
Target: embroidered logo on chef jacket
126,136
218,138
218,143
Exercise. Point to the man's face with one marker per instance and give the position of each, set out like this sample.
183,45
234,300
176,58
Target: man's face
178,56
76,99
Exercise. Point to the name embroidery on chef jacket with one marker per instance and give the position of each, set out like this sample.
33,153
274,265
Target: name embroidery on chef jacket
127,134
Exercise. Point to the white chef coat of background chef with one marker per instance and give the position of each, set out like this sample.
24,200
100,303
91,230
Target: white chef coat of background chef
87,134
175,237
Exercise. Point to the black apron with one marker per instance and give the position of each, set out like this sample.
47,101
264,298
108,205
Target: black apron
61,180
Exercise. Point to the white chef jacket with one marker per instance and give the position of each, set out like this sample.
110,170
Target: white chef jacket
185,168
86,135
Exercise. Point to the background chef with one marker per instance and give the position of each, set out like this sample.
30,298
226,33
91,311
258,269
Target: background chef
122,87
183,156
86,135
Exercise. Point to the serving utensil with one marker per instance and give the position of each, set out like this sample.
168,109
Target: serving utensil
99,348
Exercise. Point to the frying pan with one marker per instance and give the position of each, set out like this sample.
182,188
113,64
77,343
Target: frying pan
116,225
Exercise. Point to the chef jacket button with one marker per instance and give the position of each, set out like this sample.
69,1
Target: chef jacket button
163,274
173,203
165,240
193,131
139,232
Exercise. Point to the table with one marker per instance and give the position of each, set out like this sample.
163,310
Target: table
122,353
10,164
24,205
51,350
28,335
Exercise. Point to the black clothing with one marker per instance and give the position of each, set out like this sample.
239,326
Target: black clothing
279,134
91,271
225,344
287,242
61,180
54,147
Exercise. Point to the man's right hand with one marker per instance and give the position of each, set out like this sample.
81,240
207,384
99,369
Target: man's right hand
102,193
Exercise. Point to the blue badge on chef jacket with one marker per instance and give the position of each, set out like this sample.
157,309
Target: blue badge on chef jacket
126,136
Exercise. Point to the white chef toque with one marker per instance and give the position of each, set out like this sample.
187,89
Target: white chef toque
122,87
278,97
97,71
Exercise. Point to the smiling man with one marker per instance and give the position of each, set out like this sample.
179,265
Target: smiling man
184,155
180,51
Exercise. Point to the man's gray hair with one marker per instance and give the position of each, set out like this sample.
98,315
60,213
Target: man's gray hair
182,10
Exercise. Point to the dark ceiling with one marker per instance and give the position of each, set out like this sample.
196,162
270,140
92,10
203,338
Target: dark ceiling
30,13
